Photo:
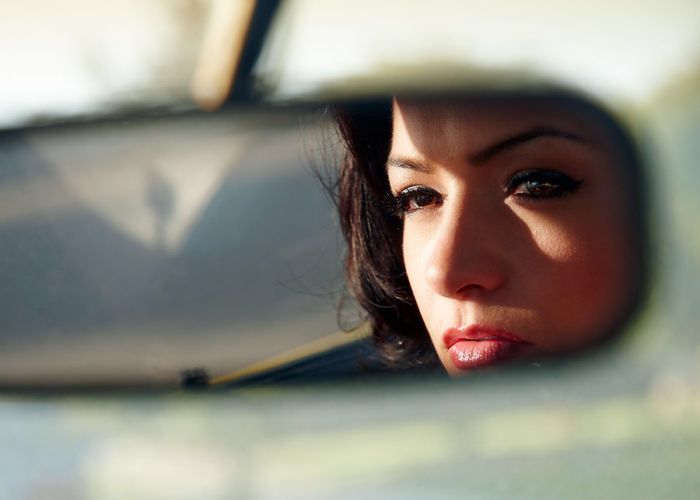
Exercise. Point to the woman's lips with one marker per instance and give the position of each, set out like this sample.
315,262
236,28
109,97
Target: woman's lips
476,346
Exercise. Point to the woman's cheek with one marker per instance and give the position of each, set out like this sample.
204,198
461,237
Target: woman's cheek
414,243
587,285
416,252
555,243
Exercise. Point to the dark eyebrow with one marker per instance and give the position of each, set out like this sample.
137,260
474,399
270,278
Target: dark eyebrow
487,153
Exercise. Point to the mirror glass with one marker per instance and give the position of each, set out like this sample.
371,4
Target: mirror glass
202,248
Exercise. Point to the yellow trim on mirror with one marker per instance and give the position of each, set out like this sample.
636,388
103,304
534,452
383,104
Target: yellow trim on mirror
318,346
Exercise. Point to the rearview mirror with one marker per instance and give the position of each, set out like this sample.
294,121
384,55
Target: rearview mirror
144,251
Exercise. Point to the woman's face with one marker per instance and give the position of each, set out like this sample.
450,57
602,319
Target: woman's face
517,236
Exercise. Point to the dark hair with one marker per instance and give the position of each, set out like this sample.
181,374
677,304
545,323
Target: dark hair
374,269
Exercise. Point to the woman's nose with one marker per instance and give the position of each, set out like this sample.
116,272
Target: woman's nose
466,255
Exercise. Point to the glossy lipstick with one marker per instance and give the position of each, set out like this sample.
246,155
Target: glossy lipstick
475,346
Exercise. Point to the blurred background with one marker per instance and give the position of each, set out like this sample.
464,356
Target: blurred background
75,57
142,235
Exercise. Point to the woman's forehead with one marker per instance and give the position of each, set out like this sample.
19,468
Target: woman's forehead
483,111
433,125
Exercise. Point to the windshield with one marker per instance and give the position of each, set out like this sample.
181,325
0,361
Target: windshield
72,58
335,48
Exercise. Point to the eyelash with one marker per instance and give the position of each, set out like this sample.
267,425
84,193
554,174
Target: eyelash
552,184
401,202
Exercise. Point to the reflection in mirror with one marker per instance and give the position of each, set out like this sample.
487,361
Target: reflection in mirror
492,228
137,250
506,227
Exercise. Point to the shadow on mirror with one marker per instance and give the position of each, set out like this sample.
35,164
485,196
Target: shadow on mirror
489,228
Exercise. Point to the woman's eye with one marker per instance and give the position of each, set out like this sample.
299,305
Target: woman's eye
541,184
415,198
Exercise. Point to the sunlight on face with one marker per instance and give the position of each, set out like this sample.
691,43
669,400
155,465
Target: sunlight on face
518,234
